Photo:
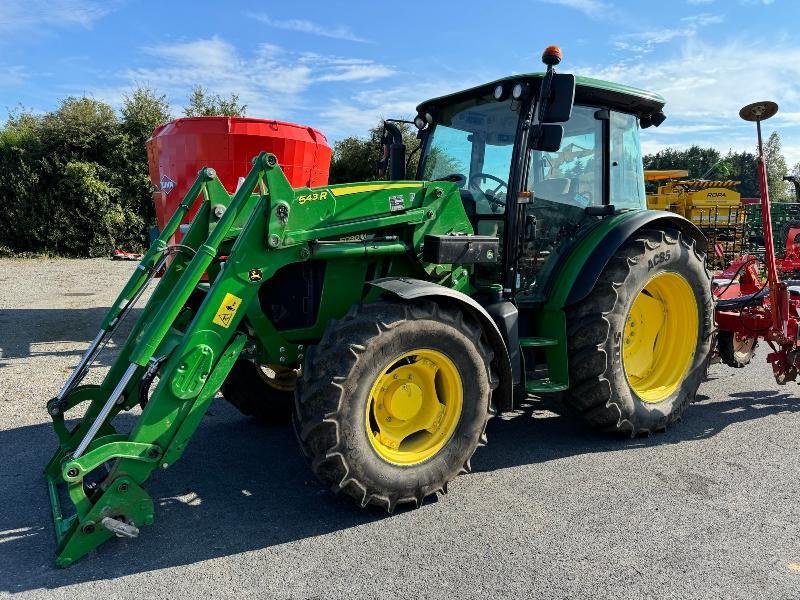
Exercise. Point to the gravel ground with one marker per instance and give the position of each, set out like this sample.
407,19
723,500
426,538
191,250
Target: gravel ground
707,510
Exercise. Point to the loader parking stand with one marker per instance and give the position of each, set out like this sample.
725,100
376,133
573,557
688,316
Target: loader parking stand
290,394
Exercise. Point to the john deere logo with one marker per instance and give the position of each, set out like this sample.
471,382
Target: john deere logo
167,185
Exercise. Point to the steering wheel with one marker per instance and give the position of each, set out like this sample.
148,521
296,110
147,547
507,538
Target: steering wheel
491,195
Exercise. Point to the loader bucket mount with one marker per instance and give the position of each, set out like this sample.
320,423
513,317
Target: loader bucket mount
186,337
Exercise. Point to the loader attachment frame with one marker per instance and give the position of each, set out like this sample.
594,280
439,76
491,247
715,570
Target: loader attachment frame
189,344
191,331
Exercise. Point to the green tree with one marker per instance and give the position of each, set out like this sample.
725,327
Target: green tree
203,104
355,158
74,181
142,111
776,169
743,168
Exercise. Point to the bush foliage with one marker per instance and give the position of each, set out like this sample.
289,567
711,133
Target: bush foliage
74,181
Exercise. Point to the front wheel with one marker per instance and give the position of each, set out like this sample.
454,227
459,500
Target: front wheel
394,400
639,343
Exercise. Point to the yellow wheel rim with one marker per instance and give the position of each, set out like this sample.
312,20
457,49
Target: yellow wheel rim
414,407
660,337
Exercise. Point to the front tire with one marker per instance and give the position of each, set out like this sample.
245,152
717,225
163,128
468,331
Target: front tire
639,343
394,401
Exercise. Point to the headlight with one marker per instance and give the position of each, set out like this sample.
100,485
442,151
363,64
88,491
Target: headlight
516,92
499,92
419,122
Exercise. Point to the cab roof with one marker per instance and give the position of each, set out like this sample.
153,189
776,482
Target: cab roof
587,91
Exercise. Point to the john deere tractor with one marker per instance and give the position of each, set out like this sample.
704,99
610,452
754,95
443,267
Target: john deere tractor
393,318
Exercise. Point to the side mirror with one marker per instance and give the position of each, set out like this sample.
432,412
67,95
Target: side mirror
546,138
557,106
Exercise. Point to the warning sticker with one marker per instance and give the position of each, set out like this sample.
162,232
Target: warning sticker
167,185
227,310
396,203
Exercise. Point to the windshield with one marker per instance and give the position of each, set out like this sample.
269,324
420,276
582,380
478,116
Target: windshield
474,140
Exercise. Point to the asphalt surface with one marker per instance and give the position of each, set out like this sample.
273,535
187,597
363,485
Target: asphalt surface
708,509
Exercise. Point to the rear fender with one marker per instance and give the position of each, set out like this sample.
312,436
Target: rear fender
596,260
578,272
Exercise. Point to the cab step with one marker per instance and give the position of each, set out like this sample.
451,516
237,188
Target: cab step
536,342
539,386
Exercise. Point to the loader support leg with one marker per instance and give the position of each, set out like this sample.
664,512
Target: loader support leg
121,506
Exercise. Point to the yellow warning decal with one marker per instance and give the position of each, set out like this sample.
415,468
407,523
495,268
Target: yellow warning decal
227,310
373,187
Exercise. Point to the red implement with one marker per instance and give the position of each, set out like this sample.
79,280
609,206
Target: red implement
762,309
178,150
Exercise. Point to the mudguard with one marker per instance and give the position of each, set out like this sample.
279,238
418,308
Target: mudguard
576,275
408,288
597,260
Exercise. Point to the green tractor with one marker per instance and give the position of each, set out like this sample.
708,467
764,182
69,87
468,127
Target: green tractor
390,320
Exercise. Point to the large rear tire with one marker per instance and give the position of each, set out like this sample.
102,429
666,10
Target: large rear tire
393,402
639,343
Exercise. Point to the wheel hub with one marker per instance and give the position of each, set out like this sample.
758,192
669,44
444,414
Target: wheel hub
660,336
405,402
414,407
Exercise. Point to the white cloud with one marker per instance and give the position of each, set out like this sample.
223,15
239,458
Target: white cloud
13,75
338,32
361,110
646,41
336,68
706,84
30,15
270,80
594,9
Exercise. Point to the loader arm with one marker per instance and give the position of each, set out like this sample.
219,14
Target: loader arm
191,333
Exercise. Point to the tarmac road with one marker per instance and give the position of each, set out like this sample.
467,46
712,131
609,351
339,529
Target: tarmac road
708,509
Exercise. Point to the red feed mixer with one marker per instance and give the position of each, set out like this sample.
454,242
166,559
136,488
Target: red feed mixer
179,149
766,310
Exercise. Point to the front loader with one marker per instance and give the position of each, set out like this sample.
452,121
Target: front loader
392,319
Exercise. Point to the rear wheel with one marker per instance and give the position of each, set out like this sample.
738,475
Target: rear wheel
394,401
638,345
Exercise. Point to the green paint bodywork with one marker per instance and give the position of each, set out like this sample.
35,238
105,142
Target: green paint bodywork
192,331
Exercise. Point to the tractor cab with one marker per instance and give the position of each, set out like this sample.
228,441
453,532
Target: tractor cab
539,193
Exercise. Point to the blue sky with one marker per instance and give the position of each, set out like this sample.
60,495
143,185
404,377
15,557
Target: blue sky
338,66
